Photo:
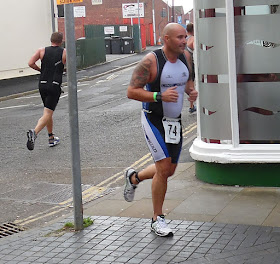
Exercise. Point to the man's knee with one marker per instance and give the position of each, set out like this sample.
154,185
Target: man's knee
48,111
48,114
171,172
165,168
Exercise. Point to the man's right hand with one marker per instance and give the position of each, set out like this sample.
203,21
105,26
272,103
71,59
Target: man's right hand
170,95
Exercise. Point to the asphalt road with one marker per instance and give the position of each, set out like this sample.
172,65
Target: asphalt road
36,186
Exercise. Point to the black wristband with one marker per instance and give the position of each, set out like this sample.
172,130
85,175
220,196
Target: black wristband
158,97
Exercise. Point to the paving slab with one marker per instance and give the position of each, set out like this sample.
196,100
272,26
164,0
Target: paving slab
129,240
212,224
251,206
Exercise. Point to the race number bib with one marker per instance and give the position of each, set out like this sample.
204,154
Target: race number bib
172,129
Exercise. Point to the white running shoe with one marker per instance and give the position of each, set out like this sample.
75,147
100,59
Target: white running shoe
160,227
53,141
129,188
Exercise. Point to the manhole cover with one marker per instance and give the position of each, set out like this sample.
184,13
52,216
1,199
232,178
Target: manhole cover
8,229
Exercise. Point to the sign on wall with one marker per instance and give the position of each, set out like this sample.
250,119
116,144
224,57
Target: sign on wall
179,19
109,30
79,11
96,2
123,28
63,2
131,10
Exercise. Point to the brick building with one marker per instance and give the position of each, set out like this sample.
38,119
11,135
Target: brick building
110,12
188,17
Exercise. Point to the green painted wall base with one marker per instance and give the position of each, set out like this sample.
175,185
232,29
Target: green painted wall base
249,174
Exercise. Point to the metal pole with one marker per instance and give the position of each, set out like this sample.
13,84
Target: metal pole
167,6
154,23
73,114
232,72
131,21
173,12
196,55
52,14
140,43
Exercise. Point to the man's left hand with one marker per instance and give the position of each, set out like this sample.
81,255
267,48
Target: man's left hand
193,95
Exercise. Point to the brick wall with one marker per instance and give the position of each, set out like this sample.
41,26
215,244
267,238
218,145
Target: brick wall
110,13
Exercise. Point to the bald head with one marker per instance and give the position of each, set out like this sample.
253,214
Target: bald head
171,28
174,39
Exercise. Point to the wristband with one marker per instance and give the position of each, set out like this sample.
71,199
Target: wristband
155,96
158,97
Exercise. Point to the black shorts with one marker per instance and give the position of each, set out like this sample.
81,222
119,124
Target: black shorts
50,94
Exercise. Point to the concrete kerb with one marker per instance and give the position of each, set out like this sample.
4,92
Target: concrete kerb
107,72
13,96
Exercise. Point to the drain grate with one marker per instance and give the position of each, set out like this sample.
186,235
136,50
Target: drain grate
8,229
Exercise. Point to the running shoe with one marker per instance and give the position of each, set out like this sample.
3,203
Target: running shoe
129,189
31,136
160,227
53,141
192,109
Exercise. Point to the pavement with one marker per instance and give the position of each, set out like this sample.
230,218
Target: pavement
212,224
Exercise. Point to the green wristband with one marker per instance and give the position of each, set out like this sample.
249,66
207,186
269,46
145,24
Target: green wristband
155,96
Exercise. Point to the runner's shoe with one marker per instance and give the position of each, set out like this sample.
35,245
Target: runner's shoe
192,109
31,136
53,141
129,189
160,227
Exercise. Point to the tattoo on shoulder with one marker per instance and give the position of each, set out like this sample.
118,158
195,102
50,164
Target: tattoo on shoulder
141,73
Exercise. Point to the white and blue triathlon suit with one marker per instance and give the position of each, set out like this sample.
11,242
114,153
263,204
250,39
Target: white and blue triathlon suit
161,121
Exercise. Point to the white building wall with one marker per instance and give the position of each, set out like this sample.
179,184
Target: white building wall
26,25
238,116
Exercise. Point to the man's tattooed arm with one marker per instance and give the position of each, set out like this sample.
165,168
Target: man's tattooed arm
141,74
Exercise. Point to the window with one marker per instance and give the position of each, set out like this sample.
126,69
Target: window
60,10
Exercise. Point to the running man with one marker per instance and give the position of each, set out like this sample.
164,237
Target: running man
53,59
166,74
